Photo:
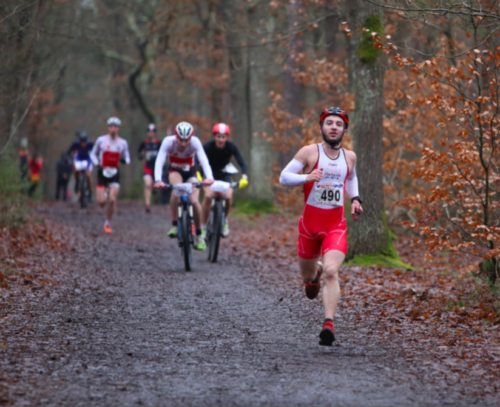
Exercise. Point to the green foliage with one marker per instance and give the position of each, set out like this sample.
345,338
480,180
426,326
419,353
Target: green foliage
12,209
366,52
253,207
391,260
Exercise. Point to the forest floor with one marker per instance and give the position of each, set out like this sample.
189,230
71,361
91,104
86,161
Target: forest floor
89,319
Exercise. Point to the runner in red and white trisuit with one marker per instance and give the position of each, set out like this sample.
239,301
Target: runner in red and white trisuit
328,173
107,153
181,149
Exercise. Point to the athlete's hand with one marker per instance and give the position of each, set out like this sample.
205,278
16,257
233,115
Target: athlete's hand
243,181
208,181
315,176
356,209
159,184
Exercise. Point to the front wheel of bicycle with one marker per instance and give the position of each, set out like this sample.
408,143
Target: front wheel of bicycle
215,231
186,246
83,190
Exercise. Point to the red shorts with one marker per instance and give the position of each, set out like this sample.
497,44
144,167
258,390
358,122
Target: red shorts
321,230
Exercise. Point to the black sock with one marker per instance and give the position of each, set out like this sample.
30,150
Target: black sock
198,232
174,223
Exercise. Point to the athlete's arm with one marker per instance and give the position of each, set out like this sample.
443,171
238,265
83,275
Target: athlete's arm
239,159
95,152
202,157
125,152
290,176
140,150
351,185
160,159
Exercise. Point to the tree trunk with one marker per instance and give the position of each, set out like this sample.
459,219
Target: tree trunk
261,157
370,234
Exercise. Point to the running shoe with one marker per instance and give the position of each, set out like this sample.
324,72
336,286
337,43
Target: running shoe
200,243
204,233
225,229
312,288
173,232
108,229
326,336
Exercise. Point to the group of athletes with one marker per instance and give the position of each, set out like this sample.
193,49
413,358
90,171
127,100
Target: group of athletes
326,172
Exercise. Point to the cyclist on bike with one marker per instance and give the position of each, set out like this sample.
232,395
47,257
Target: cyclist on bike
149,150
181,150
219,151
80,151
109,150
326,172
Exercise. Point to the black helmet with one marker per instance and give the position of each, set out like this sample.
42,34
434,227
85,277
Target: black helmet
152,127
82,135
335,111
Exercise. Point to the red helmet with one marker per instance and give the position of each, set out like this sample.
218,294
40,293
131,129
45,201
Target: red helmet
334,111
221,128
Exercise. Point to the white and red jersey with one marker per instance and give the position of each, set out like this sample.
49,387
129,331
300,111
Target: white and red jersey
181,160
329,192
107,151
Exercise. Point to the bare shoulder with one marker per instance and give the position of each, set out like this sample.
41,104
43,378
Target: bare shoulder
307,153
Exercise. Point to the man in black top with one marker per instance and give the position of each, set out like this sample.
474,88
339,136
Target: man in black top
219,152
149,150
64,170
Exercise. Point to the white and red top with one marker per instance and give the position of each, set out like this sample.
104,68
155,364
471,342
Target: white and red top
181,160
329,192
107,151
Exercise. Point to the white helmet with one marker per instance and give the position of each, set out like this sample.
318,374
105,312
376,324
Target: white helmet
184,130
114,121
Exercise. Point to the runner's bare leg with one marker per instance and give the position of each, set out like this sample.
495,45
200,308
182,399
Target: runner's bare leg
113,195
148,185
332,260
174,178
100,195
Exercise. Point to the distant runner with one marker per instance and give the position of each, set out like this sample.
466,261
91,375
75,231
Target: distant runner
149,150
327,172
107,153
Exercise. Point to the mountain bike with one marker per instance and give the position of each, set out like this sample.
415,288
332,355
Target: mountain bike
81,167
217,217
185,224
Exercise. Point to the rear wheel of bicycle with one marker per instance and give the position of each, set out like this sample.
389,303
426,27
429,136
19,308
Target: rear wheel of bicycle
185,233
83,190
216,230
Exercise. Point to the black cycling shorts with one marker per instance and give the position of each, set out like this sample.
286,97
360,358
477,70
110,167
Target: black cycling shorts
104,182
223,176
186,175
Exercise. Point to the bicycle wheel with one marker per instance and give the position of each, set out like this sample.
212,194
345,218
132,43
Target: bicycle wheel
186,246
83,190
216,231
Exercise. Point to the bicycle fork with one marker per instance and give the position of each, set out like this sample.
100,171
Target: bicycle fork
185,206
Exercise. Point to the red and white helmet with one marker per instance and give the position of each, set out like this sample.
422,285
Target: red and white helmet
184,130
221,128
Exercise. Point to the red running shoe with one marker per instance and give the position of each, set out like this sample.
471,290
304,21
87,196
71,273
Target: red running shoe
326,336
312,288
108,229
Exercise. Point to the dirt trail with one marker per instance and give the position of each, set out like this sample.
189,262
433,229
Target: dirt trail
129,326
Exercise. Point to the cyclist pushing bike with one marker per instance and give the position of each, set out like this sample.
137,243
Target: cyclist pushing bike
219,151
327,171
181,149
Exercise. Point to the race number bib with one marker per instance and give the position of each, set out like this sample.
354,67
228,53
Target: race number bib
185,189
181,167
81,165
220,186
150,155
109,172
329,194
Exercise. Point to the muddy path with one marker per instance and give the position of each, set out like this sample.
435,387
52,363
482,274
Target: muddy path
126,325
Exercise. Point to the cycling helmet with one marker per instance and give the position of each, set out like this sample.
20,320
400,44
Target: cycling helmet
221,128
334,111
114,121
82,135
152,127
184,130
